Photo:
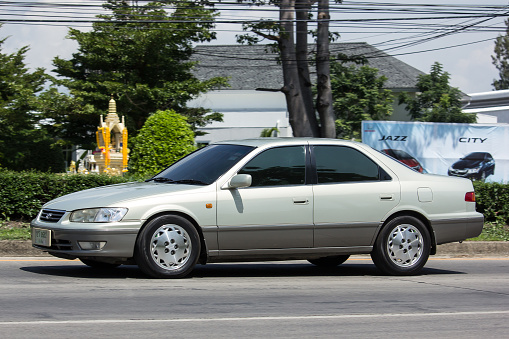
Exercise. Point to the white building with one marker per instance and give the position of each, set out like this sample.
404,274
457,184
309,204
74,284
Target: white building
490,107
248,111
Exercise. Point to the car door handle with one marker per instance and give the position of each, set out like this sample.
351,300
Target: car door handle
386,197
300,201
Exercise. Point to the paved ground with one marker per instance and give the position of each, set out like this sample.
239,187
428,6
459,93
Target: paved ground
461,298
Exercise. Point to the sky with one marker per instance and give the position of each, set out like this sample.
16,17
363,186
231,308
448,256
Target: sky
427,39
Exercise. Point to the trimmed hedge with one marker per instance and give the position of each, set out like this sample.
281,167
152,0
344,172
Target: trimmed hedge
22,194
492,200
164,138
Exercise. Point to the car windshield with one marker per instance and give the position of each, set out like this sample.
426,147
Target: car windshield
203,166
475,156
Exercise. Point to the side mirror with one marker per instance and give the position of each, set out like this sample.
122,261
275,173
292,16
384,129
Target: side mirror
240,180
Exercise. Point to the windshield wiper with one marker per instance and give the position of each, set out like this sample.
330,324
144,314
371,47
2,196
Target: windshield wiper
190,181
183,181
160,179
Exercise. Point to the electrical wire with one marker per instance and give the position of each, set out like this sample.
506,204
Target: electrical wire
413,23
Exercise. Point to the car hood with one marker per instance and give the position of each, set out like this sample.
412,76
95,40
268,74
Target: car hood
117,195
464,164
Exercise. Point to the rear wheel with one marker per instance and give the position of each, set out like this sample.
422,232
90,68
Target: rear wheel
331,261
168,247
402,247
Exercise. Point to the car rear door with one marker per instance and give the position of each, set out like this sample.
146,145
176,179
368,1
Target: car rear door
352,195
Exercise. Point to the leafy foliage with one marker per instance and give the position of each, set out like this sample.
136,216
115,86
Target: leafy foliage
165,138
23,145
493,232
501,60
22,194
437,101
492,200
141,55
358,95
269,132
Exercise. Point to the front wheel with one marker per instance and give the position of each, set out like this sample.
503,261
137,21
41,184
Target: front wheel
402,247
167,247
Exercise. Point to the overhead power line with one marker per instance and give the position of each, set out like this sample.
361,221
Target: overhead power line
404,24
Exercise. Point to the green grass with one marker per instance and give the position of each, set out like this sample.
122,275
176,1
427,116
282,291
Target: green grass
10,230
16,230
493,232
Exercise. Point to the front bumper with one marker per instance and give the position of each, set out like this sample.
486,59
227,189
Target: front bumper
464,174
120,239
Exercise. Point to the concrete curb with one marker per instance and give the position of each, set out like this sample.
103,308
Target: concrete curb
475,248
23,248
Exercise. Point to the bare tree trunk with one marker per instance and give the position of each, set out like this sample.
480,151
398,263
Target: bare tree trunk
324,99
292,89
302,13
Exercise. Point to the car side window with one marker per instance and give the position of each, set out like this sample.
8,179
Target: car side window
278,166
336,164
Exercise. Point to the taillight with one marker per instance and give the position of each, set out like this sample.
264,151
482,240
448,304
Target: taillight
470,196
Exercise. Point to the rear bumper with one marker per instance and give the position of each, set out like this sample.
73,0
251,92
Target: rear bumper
451,230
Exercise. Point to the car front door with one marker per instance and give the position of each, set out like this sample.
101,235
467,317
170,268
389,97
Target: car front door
275,212
352,196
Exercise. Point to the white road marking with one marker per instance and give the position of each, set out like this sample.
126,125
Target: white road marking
304,317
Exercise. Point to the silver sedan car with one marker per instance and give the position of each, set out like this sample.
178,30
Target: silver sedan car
264,199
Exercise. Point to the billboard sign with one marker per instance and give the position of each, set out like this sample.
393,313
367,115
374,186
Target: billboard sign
476,151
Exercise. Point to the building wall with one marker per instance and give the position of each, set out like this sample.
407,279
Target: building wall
247,113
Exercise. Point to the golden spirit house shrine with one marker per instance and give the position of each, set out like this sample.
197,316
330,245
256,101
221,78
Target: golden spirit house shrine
111,155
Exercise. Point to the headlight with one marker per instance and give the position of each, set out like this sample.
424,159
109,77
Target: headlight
106,214
474,170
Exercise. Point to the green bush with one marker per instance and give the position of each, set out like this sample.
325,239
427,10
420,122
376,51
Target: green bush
22,194
165,138
493,201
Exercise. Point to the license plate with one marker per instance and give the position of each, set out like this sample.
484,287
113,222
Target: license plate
41,237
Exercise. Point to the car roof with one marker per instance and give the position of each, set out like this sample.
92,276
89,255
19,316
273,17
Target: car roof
265,142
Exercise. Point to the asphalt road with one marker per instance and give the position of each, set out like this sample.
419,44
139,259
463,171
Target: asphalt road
453,298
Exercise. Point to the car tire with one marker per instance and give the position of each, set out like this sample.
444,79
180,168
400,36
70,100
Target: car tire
98,264
402,247
331,261
167,247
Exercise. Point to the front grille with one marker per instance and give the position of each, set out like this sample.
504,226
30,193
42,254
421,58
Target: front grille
58,244
459,171
51,215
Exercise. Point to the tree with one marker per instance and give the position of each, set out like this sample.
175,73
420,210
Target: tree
140,54
290,35
501,60
165,138
359,95
23,144
269,132
437,100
